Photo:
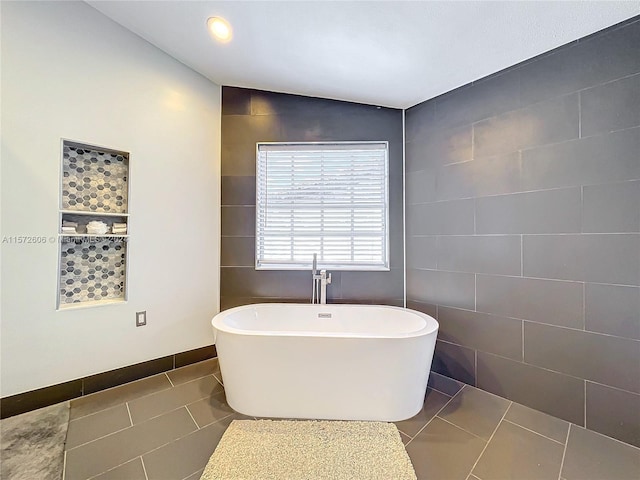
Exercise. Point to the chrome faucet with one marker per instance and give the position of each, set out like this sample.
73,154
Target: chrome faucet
320,282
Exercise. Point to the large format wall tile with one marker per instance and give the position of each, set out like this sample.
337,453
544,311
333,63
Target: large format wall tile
548,211
248,282
423,249
486,98
419,119
499,135
237,251
483,254
455,361
238,190
438,145
238,159
553,393
238,221
486,176
544,301
613,309
612,106
489,333
614,412
444,288
550,121
590,258
441,218
585,161
601,358
252,116
421,187
596,60
536,224
613,207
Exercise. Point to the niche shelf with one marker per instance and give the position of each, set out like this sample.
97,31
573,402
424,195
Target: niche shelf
93,227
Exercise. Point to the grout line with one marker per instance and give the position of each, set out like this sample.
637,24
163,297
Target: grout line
606,437
475,209
588,332
553,371
490,438
220,419
532,431
475,292
431,419
120,386
71,420
129,412
582,209
566,438
218,380
473,140
522,255
564,453
585,403
475,367
191,474
584,307
169,378
539,278
99,438
194,420
132,426
112,468
500,234
460,428
144,468
524,192
573,329
579,114
522,328
440,391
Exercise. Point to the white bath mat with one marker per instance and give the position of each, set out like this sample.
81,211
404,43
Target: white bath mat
309,450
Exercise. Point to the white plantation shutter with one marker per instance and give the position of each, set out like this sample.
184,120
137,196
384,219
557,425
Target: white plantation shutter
329,198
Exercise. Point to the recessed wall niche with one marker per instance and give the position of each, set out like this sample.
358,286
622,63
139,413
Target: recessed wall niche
93,225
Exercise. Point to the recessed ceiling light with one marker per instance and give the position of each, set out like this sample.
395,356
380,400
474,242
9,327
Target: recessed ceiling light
219,28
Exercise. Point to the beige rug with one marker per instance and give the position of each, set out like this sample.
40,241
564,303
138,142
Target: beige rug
313,450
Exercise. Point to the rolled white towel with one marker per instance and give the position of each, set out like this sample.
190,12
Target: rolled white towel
119,225
97,228
69,230
66,223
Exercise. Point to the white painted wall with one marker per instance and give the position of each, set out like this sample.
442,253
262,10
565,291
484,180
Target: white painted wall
68,71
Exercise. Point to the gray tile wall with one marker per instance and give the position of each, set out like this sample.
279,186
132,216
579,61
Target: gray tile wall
523,231
251,116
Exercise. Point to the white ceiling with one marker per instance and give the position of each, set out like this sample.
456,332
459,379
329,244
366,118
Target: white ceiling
389,53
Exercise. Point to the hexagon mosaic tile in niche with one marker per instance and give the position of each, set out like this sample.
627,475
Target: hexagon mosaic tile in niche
93,180
92,270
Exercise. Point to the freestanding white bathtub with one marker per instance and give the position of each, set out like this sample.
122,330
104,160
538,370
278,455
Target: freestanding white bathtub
339,362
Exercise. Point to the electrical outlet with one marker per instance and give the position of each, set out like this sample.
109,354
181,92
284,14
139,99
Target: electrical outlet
141,319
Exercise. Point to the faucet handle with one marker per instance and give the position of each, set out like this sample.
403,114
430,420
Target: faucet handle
328,278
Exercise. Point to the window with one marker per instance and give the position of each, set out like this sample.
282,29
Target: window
325,198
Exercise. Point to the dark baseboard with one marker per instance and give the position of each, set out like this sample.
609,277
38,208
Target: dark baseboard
43,397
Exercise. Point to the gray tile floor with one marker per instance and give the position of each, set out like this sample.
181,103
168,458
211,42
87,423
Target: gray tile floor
167,426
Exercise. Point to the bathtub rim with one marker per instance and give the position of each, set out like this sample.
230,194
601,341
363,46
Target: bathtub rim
431,326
